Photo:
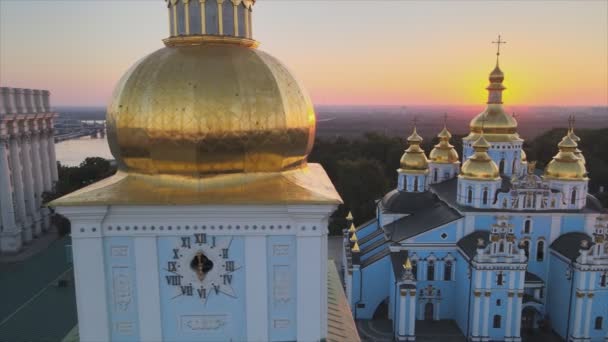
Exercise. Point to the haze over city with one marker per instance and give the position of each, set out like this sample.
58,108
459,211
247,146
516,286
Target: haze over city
345,52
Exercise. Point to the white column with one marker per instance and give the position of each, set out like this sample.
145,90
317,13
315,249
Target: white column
28,184
518,305
9,242
476,304
37,174
578,313
257,292
312,288
45,167
148,291
588,322
18,184
51,153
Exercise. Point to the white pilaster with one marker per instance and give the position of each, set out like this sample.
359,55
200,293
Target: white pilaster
402,316
6,198
312,288
146,262
412,315
257,295
37,175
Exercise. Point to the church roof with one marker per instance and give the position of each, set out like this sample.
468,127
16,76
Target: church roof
569,244
468,244
340,323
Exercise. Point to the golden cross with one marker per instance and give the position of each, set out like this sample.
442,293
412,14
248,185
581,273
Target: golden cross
498,42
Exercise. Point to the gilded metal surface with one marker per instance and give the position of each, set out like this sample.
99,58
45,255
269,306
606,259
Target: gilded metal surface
307,185
204,39
566,165
480,165
444,152
199,111
414,158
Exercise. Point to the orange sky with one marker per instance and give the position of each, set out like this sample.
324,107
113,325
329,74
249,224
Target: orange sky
369,52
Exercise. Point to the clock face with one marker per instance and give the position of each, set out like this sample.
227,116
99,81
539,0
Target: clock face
200,266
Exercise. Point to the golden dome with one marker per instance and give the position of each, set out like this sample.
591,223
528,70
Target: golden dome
565,164
209,109
523,157
576,139
444,152
414,160
480,166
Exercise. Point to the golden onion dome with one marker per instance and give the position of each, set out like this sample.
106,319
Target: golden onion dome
576,139
444,152
414,159
480,165
208,109
497,125
565,164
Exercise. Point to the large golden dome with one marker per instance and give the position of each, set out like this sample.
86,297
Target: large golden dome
414,160
444,152
565,164
480,165
209,109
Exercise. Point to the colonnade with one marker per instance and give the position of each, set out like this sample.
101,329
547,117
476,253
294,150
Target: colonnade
28,165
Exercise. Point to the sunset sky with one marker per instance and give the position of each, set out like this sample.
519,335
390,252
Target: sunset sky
346,52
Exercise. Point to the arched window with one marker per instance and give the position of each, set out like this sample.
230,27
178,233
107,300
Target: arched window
415,268
501,247
447,271
416,183
497,320
540,251
435,175
573,196
430,270
405,183
603,280
526,246
498,302
527,226
598,322
500,279
514,167
485,196
470,195
502,166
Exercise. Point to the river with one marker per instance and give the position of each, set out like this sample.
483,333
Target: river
75,151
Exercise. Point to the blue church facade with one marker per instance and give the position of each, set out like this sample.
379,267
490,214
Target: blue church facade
488,241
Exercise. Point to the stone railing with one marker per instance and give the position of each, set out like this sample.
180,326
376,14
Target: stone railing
24,101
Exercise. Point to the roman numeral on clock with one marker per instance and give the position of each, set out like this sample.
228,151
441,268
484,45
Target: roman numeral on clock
186,242
216,288
176,254
174,280
227,279
201,238
225,253
202,293
229,266
187,290
172,266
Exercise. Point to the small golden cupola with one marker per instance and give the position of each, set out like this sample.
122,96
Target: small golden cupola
414,159
565,164
444,152
480,165
575,138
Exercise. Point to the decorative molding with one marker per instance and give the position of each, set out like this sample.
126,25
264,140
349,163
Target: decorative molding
198,323
121,282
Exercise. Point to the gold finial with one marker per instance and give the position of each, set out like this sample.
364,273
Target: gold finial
408,264
349,217
445,120
352,228
498,42
354,238
531,167
356,248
